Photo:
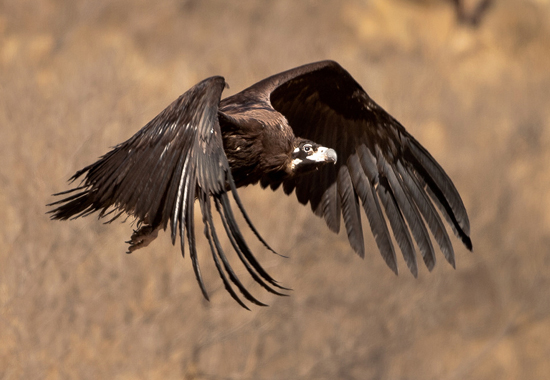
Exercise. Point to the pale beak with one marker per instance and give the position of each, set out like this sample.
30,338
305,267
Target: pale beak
323,154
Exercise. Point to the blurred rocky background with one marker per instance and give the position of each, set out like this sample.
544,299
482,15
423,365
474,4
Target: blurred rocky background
77,77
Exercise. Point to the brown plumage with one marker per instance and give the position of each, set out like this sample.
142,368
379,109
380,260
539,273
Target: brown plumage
314,131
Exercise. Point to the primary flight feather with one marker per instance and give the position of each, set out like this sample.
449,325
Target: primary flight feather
311,129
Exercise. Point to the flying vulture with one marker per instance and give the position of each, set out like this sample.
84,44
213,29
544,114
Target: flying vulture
311,130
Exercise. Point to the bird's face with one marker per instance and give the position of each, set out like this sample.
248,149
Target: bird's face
308,156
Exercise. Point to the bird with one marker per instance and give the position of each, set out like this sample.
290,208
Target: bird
311,130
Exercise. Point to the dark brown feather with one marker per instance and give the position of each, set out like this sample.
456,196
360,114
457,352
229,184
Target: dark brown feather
201,148
323,103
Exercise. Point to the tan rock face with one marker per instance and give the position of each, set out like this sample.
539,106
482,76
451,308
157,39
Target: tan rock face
77,77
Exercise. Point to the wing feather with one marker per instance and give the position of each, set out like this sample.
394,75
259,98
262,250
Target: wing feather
442,180
397,223
429,213
244,253
379,162
411,215
350,211
217,252
365,187
156,176
330,207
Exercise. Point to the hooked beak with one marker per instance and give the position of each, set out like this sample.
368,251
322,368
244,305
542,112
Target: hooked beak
323,154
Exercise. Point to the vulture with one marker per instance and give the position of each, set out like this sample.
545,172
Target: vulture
311,130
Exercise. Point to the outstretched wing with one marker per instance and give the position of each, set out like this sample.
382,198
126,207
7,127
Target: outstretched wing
158,173
380,165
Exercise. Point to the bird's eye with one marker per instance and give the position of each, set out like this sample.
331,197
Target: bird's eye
307,148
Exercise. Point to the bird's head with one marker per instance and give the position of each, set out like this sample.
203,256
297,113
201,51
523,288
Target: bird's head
308,156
